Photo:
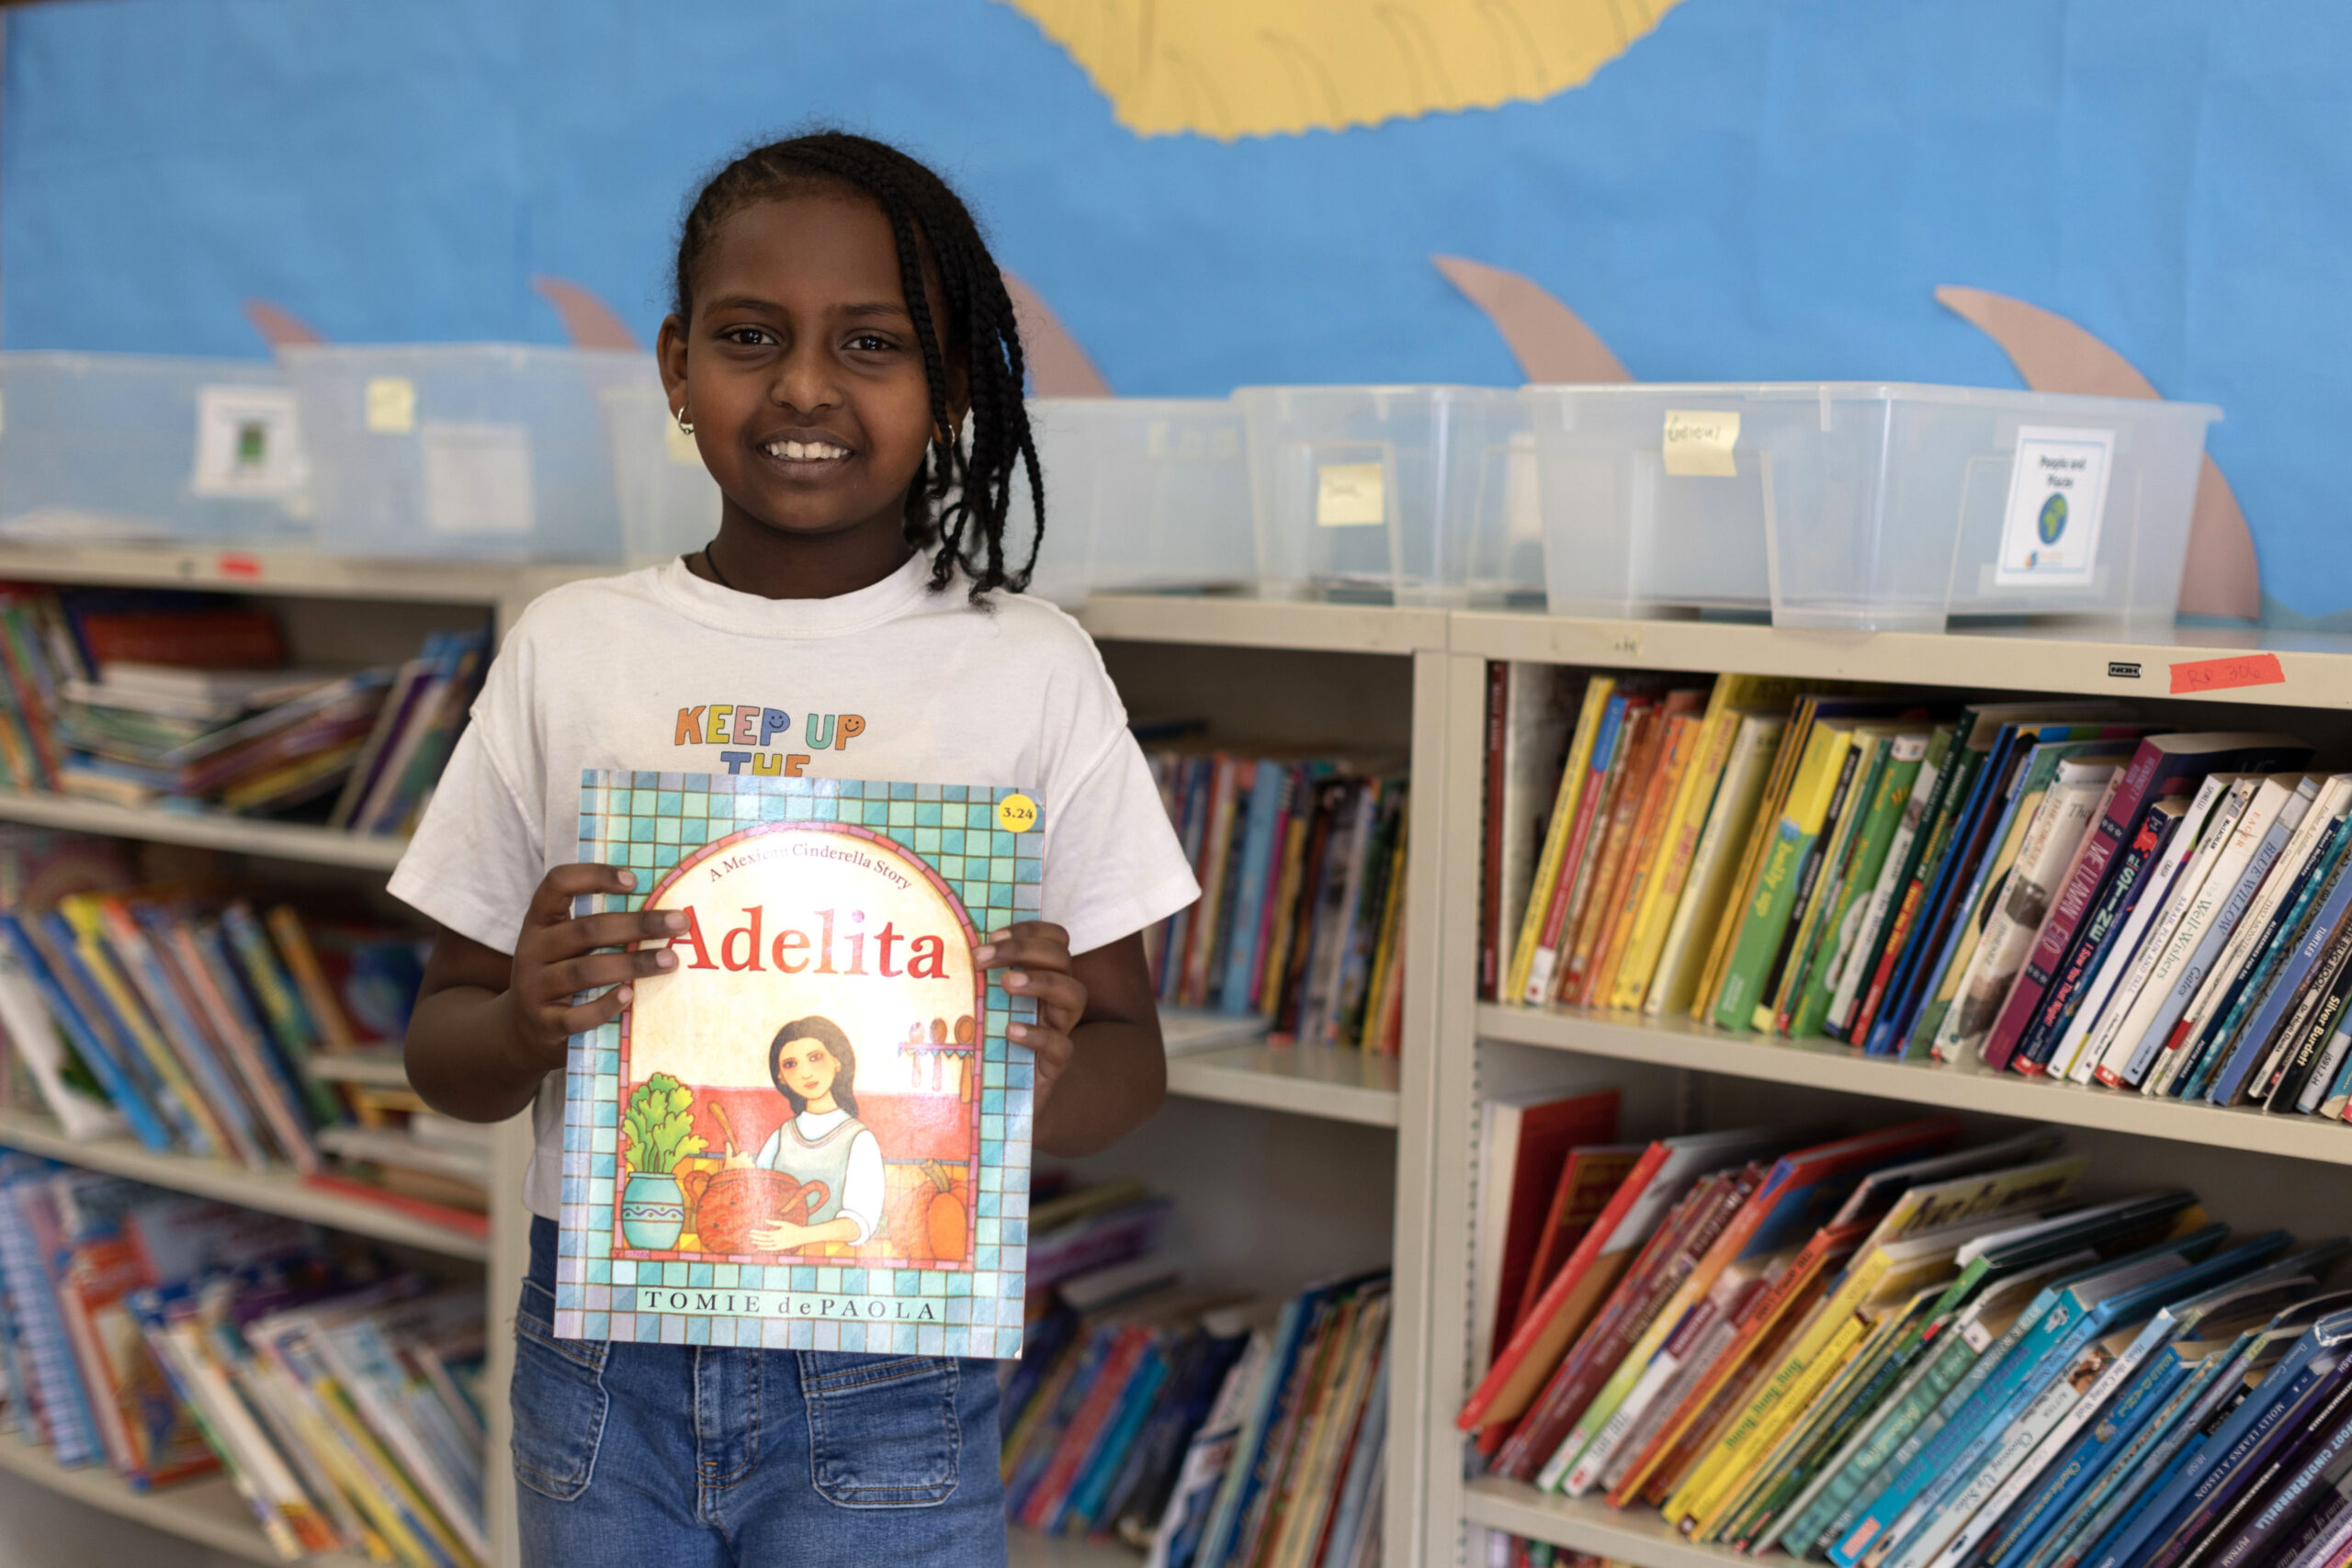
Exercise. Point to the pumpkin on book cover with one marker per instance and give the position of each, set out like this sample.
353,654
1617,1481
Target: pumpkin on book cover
806,1083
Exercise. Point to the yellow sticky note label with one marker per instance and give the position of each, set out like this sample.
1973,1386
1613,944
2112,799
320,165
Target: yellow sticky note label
680,446
1350,495
1698,444
1016,814
391,405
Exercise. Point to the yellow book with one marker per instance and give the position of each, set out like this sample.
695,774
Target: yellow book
1270,990
1597,692
1678,839
1384,953
82,912
1849,1338
1760,834
1771,898
1641,857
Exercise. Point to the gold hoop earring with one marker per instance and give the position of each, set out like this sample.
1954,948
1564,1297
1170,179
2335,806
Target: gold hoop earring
685,427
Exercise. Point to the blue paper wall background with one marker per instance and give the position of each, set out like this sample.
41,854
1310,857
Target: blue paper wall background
1760,189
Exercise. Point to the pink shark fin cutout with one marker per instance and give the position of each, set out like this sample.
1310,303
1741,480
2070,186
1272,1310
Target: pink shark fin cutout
2220,576
278,327
1058,367
588,321
1551,342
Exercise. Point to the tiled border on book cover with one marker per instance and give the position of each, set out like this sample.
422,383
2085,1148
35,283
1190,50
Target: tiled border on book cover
649,821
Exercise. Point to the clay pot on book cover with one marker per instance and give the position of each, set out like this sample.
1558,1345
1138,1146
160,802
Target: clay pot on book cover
733,1204
653,1211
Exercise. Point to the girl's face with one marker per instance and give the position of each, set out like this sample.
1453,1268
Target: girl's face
801,369
807,1068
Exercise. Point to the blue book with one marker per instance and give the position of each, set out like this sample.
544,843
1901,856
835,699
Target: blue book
2085,1314
1960,851
2241,1078
1083,1499
2316,1355
2164,1358
183,1032
1269,798
31,1276
1225,1516
2163,1030
1991,1384
2115,1491
2212,1039
97,1055
1926,1018
56,937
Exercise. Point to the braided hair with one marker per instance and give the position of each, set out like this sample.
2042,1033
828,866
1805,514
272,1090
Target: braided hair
959,498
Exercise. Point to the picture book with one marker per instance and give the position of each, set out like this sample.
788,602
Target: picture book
813,1134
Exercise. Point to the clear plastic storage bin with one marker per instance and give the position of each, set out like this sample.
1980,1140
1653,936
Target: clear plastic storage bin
466,451
1864,505
125,448
1425,495
669,502
1141,493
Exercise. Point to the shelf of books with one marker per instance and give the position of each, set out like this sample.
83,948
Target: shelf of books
1304,1080
204,829
282,572
1959,1085
1241,621
1940,1342
275,1190
208,1512
1579,1525
2236,665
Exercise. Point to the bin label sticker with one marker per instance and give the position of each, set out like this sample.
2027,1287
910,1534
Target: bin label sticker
2227,674
2057,501
1697,444
1350,495
248,442
477,478
391,405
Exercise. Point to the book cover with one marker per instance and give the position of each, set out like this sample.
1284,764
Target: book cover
2159,759
1774,894
1858,956
1526,1141
822,1130
2301,949
2096,941
1713,857
1854,873
1566,805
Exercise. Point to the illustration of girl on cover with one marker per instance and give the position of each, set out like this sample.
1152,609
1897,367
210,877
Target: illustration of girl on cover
814,1067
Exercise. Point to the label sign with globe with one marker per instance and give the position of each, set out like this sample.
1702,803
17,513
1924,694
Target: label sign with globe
2057,501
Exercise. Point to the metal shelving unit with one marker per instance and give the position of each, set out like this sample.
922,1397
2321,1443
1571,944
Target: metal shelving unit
209,830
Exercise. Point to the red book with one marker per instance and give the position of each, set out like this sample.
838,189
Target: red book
2159,760
462,1221
1589,1178
1526,1147
1664,1265
1605,1255
189,639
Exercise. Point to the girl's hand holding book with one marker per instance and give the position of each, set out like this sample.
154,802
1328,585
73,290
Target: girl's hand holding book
1035,955
558,955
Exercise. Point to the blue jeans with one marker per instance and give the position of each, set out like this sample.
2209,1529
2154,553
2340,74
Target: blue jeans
676,1456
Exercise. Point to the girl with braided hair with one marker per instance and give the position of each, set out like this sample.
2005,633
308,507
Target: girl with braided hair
844,354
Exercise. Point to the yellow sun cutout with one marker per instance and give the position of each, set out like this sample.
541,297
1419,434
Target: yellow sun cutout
1234,68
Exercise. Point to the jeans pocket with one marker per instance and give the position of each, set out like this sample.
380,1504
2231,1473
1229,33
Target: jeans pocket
883,1431
559,1400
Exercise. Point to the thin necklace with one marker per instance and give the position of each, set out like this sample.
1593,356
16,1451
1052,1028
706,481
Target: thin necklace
711,561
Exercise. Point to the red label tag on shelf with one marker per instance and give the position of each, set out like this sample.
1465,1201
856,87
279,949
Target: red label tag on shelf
2224,674
233,565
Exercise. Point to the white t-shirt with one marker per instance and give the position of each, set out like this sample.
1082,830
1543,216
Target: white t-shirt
862,1188
661,671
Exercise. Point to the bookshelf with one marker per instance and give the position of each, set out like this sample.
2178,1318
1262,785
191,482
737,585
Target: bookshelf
2252,1164
1399,1134
208,1512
